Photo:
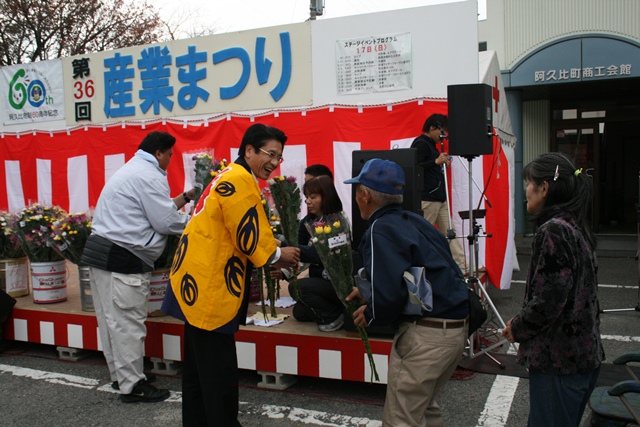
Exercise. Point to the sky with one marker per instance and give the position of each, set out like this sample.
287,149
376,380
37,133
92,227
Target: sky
236,15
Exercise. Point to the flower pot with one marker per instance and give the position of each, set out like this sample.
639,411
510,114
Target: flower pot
14,276
157,289
49,282
86,298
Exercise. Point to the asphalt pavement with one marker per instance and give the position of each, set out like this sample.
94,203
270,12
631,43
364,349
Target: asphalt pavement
39,389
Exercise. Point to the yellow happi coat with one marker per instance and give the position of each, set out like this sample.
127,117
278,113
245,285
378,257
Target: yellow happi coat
228,229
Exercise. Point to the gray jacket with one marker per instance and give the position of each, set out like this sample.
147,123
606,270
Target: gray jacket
135,210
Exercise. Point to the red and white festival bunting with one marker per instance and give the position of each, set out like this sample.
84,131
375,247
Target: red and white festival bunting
69,168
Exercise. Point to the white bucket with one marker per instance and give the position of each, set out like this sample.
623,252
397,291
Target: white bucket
49,281
157,289
86,297
14,276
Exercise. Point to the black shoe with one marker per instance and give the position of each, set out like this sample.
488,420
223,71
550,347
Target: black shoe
151,377
145,392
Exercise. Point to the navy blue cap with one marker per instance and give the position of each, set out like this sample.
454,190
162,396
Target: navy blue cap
384,176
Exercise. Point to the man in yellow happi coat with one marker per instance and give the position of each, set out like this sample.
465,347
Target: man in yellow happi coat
228,234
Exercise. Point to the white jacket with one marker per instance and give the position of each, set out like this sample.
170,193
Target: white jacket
135,209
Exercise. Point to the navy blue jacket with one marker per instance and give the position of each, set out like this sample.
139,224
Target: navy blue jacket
426,155
392,243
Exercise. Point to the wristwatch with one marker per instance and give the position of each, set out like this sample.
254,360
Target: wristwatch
186,198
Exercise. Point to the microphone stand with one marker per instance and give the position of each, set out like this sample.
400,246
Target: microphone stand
450,233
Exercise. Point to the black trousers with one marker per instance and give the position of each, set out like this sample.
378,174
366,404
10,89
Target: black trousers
209,379
317,301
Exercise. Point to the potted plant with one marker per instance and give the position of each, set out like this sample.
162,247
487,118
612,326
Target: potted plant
68,237
33,226
14,279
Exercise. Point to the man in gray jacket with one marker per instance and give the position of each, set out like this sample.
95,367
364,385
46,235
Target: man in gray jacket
133,217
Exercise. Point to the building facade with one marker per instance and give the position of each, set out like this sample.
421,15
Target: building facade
571,70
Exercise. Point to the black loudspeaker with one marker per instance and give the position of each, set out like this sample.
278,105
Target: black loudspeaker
470,120
406,158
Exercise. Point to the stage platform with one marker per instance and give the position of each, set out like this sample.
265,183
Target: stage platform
292,347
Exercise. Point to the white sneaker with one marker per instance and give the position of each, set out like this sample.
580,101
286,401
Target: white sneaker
333,326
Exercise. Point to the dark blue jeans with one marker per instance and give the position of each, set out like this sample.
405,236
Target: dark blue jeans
559,400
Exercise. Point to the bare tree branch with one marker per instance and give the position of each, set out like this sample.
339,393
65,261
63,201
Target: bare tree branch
33,30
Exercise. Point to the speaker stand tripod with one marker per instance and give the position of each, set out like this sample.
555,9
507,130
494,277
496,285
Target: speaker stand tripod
474,231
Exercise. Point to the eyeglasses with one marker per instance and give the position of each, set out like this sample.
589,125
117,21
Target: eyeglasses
272,156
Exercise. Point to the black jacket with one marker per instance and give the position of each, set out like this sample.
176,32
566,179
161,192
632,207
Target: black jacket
427,153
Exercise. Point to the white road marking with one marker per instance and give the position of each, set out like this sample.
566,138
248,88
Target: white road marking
601,285
306,416
290,413
498,406
51,377
621,338
494,414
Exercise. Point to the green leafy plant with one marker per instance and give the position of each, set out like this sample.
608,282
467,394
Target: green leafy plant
287,201
332,240
206,168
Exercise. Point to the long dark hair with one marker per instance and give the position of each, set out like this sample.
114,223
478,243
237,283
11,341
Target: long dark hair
570,190
323,185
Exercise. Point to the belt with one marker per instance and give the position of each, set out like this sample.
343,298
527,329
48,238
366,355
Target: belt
442,323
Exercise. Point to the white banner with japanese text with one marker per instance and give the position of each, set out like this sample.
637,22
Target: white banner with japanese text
374,64
32,92
266,68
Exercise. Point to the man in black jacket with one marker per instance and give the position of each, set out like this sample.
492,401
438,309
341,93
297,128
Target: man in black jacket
434,195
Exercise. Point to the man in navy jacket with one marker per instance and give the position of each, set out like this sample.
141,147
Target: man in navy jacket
426,348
